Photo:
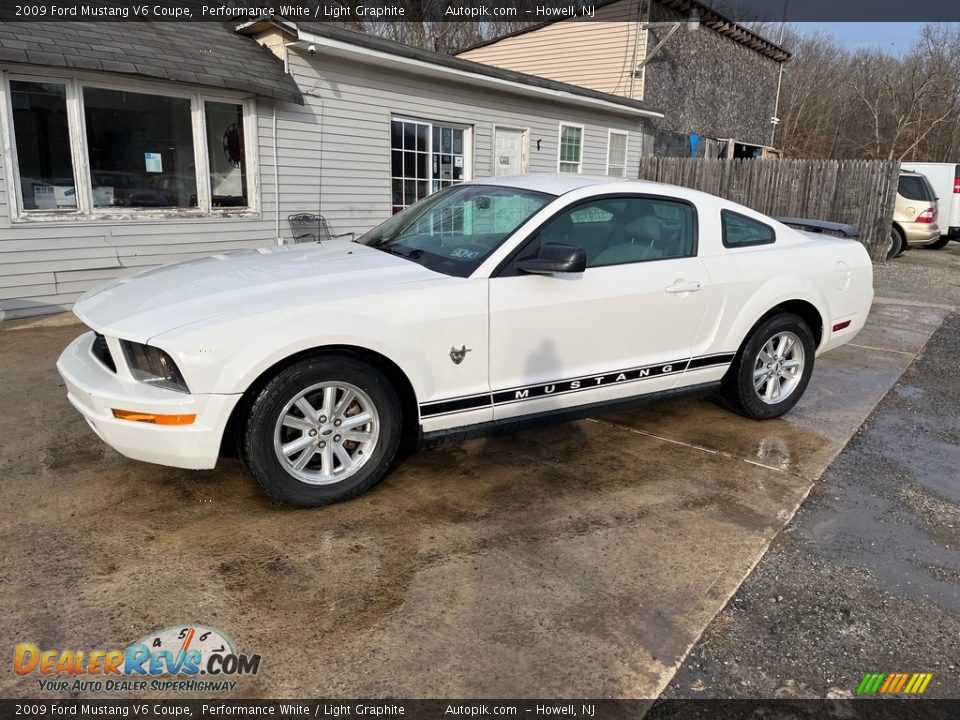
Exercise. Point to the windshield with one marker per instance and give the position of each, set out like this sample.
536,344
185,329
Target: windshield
454,230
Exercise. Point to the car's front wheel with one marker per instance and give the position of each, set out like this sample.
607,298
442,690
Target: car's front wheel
772,369
322,430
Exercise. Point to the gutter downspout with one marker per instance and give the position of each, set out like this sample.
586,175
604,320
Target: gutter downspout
776,103
776,108
276,157
276,175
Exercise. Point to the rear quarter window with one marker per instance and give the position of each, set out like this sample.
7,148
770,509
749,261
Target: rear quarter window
915,187
742,231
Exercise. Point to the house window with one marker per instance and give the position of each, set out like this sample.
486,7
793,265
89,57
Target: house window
140,148
424,157
617,154
42,138
571,148
226,152
161,152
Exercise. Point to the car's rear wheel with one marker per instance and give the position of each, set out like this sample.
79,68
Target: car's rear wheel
322,430
771,371
896,244
938,243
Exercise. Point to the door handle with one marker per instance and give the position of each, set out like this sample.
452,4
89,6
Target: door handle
682,286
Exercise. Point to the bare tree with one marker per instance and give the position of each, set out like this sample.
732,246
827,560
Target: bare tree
870,103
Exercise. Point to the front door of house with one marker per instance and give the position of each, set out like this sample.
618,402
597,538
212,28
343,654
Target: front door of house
509,155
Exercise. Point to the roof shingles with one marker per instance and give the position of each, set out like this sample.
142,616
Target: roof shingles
208,53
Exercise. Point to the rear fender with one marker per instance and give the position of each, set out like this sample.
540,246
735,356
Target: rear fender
769,296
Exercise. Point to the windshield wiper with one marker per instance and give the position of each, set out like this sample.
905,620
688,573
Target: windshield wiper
409,255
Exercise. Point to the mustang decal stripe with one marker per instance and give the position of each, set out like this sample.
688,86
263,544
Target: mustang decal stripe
590,382
562,387
442,407
710,360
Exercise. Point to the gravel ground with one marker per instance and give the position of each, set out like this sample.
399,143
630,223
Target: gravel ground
929,276
866,577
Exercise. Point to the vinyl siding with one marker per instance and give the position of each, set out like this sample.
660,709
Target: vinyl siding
597,53
344,172
45,266
333,157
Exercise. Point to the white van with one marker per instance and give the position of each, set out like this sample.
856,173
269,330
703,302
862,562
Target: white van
945,179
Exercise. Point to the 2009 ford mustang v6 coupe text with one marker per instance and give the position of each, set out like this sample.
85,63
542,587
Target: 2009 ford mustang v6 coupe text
479,308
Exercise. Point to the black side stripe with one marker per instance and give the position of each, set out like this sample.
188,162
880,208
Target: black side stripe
710,360
587,382
443,407
562,387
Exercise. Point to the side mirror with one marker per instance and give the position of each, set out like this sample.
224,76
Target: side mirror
555,259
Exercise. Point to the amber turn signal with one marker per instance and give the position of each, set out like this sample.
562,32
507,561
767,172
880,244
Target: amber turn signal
153,418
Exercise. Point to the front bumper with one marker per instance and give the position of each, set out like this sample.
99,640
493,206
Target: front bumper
96,391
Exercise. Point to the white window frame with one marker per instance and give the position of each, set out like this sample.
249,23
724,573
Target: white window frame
583,138
467,148
75,82
626,149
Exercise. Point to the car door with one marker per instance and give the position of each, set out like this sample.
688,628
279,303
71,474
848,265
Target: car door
623,327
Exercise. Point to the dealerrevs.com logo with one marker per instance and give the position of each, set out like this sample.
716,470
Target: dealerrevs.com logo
189,658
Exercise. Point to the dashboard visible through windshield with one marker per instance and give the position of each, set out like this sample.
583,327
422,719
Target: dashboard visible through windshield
455,230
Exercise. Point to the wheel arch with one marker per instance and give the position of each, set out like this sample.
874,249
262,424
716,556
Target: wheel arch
803,309
806,300
390,369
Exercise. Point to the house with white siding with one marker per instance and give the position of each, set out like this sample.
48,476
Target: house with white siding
129,145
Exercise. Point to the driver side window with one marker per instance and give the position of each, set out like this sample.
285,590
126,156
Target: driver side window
621,230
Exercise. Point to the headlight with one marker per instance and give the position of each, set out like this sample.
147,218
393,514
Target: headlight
153,366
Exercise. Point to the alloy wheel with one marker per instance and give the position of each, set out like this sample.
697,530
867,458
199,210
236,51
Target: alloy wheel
778,368
326,433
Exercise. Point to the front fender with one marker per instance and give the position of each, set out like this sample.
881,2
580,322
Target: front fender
227,357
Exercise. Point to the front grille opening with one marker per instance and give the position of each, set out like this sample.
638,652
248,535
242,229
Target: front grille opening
101,351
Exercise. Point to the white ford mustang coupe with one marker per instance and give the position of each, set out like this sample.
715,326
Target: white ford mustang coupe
483,307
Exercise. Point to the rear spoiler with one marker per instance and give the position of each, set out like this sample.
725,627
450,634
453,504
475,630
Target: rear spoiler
822,226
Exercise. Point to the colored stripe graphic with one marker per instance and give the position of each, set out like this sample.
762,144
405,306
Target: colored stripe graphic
894,683
862,687
890,682
899,686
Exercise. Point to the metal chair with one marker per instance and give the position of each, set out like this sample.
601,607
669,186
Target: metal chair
308,228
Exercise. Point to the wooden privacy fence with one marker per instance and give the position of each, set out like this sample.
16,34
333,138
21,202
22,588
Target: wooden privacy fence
856,192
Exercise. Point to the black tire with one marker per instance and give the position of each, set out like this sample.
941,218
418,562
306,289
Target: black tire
738,391
898,243
940,242
260,428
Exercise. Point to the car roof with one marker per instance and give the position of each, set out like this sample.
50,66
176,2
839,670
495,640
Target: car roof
911,173
561,183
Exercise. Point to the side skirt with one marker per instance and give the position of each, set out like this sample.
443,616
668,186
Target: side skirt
430,440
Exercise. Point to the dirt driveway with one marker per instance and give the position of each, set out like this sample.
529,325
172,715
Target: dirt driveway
576,561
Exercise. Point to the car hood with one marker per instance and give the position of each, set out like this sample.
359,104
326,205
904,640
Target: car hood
141,306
